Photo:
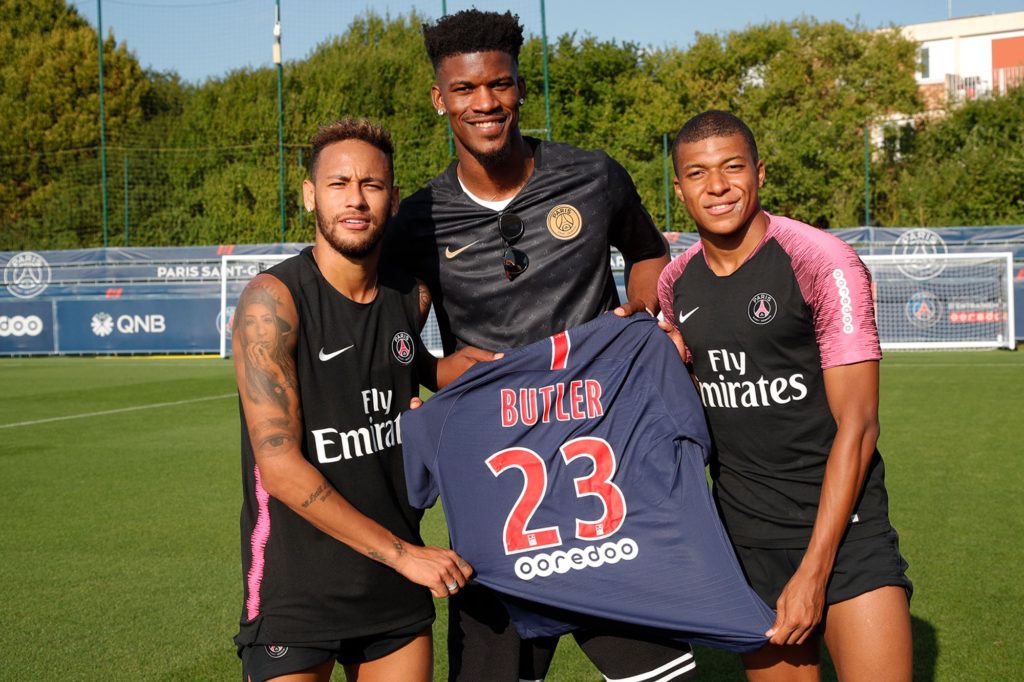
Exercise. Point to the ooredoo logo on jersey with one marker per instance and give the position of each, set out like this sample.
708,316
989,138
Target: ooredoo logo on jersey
26,274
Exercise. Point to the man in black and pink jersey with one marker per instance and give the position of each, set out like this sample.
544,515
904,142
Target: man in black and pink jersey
775,318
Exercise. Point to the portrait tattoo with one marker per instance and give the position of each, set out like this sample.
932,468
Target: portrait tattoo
262,333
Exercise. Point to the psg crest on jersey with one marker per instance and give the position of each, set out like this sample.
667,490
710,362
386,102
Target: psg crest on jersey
762,308
403,348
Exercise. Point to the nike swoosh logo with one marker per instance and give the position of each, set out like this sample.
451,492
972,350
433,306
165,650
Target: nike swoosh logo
449,254
683,318
327,356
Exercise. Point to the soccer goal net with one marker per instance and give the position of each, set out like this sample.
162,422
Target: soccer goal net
962,300
237,270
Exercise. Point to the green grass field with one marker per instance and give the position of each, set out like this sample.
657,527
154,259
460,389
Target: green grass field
119,495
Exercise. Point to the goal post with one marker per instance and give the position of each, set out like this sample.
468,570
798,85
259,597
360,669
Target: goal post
237,270
936,301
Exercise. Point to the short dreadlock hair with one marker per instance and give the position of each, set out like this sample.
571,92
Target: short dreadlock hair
352,129
473,31
713,123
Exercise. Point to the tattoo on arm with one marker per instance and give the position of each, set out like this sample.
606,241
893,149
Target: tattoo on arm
272,436
264,334
377,556
424,303
322,492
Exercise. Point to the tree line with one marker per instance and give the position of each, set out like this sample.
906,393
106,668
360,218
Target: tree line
198,163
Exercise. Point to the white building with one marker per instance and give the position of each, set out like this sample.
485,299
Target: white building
969,57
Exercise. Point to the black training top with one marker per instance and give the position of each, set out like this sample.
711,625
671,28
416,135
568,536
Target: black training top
355,366
574,205
760,340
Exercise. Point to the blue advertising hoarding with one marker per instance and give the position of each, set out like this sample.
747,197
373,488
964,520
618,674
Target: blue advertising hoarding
26,327
166,299
139,326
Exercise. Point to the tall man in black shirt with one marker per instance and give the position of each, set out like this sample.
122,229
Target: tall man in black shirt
326,351
512,240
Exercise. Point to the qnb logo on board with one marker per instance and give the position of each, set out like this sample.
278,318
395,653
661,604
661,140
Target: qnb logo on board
21,325
104,324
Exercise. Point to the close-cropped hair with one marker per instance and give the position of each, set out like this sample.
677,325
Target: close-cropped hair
351,129
471,31
713,123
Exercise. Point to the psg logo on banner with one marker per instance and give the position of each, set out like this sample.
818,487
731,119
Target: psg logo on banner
26,274
403,348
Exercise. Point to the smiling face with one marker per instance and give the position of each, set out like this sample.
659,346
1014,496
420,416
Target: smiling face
480,91
353,196
718,180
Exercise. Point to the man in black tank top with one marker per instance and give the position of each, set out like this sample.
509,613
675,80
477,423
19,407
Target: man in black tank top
326,350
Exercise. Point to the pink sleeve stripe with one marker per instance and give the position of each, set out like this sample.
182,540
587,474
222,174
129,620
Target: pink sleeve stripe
836,286
667,283
258,543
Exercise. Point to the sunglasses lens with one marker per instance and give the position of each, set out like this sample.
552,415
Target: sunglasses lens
515,262
511,227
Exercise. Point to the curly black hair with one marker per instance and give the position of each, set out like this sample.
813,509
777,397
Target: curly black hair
349,128
713,123
473,31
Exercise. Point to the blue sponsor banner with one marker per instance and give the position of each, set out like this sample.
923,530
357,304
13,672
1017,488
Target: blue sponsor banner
139,326
49,298
26,327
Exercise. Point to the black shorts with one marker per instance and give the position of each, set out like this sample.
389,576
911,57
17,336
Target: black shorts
261,663
483,645
861,565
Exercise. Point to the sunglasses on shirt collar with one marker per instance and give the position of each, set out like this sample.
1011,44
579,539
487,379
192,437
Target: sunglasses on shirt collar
511,228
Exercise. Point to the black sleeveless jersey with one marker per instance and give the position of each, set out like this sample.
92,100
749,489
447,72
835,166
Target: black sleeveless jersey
355,366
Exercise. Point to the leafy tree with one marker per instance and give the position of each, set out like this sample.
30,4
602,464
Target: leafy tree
202,160
964,169
807,90
49,103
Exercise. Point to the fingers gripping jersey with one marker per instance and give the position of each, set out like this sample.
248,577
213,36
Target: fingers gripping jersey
572,475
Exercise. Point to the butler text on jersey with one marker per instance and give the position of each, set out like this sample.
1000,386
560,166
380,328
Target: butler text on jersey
580,399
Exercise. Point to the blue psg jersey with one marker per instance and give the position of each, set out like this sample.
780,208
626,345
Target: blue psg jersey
572,475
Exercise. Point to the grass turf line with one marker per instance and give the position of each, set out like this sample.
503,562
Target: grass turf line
119,555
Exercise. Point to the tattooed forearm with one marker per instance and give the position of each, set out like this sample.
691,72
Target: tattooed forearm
322,492
272,436
377,556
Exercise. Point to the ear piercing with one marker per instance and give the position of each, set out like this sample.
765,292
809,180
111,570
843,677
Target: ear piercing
440,112
522,100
